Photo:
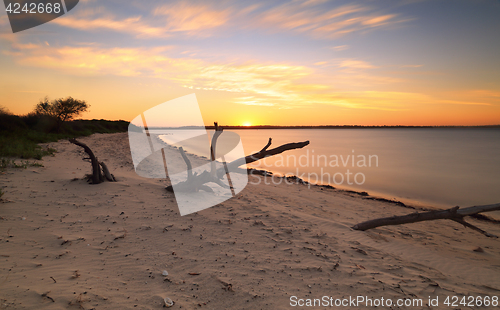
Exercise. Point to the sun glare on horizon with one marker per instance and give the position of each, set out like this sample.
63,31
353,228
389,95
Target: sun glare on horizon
247,124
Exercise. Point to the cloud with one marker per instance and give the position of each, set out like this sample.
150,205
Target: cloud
192,19
89,60
390,101
483,93
356,64
321,20
181,17
252,100
472,96
379,20
100,18
346,64
411,66
277,85
340,48
132,25
280,85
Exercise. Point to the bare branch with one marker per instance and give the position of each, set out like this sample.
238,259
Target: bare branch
267,145
196,182
262,154
466,224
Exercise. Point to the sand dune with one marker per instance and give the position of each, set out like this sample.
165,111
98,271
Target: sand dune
66,244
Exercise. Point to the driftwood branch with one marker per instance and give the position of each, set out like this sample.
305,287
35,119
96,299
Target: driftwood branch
213,145
98,175
267,145
263,154
197,182
455,214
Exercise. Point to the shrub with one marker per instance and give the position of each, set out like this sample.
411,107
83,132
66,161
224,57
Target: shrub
61,110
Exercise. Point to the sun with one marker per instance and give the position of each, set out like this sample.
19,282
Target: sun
247,124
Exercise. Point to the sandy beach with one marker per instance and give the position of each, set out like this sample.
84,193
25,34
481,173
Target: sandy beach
67,244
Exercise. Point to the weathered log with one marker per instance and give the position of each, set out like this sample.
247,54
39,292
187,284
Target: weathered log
98,175
455,214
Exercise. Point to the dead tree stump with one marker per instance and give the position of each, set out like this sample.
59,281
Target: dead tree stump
100,171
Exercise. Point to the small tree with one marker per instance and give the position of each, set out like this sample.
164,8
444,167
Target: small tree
4,111
61,110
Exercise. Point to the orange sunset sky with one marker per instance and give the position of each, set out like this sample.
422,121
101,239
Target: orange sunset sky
299,62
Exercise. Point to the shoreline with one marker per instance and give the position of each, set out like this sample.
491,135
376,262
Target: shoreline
407,203
229,127
397,178
106,246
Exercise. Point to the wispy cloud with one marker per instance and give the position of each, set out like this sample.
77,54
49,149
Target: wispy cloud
192,18
280,85
356,64
181,17
411,66
390,101
340,48
133,25
469,96
320,19
277,85
252,100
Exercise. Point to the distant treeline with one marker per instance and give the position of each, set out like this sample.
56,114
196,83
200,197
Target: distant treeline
345,127
313,127
19,135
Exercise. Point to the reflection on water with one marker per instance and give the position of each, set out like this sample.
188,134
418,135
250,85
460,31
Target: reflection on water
198,142
444,167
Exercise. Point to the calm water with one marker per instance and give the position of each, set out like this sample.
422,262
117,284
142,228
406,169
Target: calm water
442,167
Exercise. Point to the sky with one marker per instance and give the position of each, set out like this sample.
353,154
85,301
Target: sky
298,62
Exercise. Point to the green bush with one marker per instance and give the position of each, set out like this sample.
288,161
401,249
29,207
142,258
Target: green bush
11,122
22,146
20,135
22,142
